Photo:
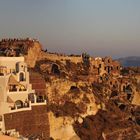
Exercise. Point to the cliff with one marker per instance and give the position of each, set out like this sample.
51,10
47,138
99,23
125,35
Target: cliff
88,98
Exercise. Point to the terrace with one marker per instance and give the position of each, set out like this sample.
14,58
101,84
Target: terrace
33,100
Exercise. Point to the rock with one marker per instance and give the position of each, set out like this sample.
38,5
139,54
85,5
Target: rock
32,55
62,128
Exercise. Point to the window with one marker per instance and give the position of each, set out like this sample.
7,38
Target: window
0,118
21,77
31,97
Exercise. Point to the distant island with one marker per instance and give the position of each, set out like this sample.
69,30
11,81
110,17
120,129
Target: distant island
130,61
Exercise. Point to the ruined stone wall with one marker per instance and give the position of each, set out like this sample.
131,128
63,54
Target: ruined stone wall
57,57
34,122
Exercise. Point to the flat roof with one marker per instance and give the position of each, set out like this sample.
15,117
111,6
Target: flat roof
2,137
12,58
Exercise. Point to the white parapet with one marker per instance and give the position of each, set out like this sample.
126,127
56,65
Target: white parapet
27,108
10,62
20,109
39,103
19,59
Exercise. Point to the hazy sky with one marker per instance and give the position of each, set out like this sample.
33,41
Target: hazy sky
99,27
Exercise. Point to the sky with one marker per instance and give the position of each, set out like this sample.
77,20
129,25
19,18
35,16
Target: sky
98,27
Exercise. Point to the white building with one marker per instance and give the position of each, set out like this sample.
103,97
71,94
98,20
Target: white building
16,93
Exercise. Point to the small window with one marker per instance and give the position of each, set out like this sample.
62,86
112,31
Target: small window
21,77
0,118
100,65
1,74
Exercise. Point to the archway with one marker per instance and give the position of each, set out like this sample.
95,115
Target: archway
129,91
31,97
114,94
1,74
19,104
55,69
40,98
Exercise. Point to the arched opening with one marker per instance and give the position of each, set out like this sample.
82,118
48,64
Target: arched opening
21,77
128,90
19,104
1,74
55,69
114,94
122,107
0,117
12,87
123,88
31,97
40,98
100,65
73,88
108,69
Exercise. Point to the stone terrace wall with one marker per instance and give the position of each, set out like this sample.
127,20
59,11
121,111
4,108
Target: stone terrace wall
57,57
30,122
38,83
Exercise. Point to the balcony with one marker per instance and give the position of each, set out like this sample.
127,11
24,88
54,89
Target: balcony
27,105
20,106
44,102
37,100
15,90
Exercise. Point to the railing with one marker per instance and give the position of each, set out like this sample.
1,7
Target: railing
12,90
42,102
17,91
27,106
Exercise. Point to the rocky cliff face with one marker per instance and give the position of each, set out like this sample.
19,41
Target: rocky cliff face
32,54
29,48
88,98
88,102
68,103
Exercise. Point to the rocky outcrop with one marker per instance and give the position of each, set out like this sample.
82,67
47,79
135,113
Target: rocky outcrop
68,102
61,128
32,54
